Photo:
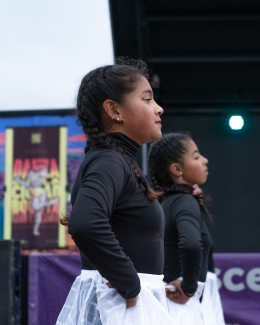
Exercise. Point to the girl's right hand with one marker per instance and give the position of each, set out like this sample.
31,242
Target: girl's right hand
131,302
178,295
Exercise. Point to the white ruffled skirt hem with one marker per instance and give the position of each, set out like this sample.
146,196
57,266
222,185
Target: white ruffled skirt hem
209,312
189,313
91,302
211,303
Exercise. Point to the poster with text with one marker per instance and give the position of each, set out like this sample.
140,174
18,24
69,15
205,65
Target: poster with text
35,178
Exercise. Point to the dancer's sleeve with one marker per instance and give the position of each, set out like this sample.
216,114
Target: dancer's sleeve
188,222
102,185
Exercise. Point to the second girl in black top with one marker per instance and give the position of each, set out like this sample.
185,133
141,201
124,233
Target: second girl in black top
175,166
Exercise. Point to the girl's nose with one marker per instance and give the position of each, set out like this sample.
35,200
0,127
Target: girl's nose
159,109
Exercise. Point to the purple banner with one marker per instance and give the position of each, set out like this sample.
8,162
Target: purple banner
51,276
239,285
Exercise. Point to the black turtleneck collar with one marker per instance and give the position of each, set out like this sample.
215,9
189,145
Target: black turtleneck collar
180,188
129,146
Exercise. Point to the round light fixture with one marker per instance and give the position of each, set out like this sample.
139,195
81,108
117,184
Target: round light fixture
236,122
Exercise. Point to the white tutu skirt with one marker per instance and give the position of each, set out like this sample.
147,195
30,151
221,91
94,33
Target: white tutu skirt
189,313
211,303
91,302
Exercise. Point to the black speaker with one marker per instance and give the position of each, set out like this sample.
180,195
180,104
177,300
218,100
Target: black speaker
10,270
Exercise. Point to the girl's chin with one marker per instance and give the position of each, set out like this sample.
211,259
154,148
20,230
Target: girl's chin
155,138
158,136
202,182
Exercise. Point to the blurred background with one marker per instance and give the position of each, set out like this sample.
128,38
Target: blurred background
204,60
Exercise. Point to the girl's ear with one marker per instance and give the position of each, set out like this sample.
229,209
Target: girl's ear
175,170
111,108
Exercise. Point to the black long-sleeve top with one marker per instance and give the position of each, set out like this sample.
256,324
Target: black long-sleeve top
113,223
186,241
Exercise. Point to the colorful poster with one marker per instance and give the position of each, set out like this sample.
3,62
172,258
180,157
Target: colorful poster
35,194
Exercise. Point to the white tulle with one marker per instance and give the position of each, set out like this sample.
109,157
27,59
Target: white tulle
189,313
208,312
91,302
211,302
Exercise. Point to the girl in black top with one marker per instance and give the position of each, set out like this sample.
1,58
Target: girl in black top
116,221
175,167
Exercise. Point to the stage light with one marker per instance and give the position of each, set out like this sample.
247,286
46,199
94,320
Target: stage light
236,122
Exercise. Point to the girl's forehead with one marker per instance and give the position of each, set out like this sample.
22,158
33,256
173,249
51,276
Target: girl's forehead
142,88
143,85
190,145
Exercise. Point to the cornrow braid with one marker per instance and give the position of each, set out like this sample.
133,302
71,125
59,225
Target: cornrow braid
171,148
108,82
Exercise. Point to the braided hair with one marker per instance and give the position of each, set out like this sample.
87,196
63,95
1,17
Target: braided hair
169,149
112,82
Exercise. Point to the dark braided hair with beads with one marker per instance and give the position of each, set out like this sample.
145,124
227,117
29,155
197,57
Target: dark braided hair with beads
162,153
112,82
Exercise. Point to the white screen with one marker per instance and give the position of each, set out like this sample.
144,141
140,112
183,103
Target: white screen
47,47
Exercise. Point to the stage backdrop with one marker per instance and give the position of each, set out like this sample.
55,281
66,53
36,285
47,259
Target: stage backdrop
54,163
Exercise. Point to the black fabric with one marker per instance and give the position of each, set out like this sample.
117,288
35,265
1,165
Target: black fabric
181,188
187,241
129,146
112,222
211,266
